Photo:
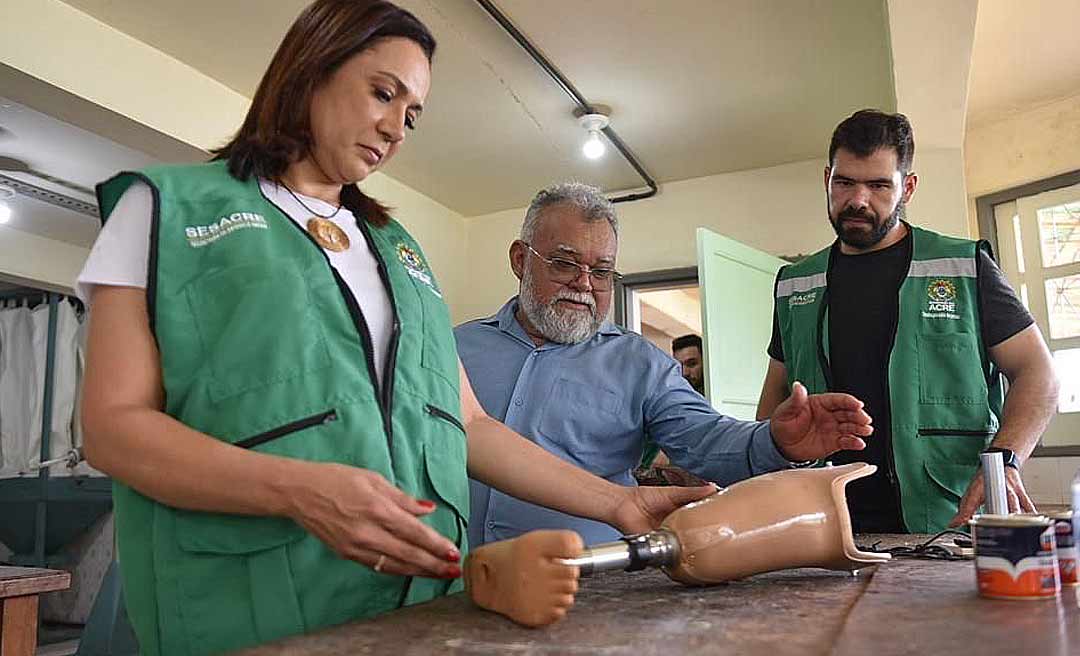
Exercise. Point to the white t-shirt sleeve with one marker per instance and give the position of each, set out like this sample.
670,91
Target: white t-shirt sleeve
121,252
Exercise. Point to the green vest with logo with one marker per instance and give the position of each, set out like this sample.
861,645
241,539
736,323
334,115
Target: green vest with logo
264,347
945,394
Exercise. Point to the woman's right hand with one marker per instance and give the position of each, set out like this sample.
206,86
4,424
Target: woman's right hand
362,517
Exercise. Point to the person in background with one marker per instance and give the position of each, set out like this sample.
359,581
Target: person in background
550,366
918,325
688,352
271,375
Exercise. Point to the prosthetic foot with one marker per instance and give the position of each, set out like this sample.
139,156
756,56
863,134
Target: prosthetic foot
525,578
794,518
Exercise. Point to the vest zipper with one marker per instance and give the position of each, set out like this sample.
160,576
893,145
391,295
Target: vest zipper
444,415
381,393
387,390
289,428
927,432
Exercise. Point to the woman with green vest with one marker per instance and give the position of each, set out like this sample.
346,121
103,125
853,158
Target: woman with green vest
272,379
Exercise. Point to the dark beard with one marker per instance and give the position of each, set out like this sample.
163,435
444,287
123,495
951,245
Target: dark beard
861,239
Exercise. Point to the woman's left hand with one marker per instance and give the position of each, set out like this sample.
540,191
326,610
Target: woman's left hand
643,508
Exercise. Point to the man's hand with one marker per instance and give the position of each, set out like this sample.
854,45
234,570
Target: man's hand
1019,501
643,508
811,427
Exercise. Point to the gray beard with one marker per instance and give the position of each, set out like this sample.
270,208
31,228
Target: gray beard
563,327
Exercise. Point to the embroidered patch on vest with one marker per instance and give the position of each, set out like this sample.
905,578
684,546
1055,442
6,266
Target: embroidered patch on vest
199,236
941,300
414,264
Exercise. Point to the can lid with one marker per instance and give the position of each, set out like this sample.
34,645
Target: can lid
1060,514
1017,519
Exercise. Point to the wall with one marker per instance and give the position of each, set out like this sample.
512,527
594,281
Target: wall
39,262
1033,145
70,50
780,210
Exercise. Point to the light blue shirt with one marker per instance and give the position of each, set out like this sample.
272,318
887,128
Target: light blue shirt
594,404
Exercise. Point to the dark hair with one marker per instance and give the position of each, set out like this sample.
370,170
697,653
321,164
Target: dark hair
867,130
277,129
686,341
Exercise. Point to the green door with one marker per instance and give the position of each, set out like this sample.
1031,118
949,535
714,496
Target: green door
736,318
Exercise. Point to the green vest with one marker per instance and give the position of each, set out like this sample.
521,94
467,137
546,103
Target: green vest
264,347
945,394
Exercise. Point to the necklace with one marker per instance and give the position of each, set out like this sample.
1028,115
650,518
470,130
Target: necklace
304,205
325,232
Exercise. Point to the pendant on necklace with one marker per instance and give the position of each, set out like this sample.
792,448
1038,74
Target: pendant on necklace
327,234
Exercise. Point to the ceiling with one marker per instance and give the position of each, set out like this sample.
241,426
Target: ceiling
695,87
1026,54
58,157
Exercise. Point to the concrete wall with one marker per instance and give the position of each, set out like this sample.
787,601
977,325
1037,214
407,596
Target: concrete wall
1029,146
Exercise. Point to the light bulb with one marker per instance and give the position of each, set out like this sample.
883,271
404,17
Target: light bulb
5,213
594,146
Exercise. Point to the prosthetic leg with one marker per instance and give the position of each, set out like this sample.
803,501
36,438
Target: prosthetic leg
786,519
794,518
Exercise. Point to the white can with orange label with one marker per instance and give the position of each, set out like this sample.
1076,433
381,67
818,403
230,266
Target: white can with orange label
1014,556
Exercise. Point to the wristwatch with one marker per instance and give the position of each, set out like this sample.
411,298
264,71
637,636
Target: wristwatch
1008,457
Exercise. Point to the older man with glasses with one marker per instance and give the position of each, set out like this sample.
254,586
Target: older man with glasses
551,367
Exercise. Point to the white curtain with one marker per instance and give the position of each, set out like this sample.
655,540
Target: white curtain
18,382
24,338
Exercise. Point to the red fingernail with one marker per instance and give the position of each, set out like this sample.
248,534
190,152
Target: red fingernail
453,555
426,504
453,573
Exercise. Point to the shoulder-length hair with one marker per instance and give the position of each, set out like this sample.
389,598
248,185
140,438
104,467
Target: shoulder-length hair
277,129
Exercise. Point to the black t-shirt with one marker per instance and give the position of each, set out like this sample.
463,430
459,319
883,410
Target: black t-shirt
863,308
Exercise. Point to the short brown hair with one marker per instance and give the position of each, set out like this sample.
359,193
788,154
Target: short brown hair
277,129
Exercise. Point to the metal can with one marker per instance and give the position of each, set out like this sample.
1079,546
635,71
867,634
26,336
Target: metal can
1014,557
1065,546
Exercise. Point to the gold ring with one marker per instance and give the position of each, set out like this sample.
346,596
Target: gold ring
379,563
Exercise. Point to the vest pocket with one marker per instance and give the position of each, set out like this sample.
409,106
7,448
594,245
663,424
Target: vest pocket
287,429
235,580
952,386
439,352
445,416
449,480
256,327
946,432
950,370
951,477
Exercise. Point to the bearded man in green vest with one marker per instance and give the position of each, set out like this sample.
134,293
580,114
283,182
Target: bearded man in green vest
919,326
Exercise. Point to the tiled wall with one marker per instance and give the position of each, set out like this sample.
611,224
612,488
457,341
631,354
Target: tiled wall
1048,480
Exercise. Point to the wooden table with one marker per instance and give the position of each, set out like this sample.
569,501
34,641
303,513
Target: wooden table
902,607
19,590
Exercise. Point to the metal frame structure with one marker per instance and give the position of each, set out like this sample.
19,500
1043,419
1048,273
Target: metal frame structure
584,106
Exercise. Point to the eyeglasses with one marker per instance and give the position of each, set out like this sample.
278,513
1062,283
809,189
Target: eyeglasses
565,271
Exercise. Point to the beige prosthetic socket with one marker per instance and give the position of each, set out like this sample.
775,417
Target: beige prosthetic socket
523,578
793,518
